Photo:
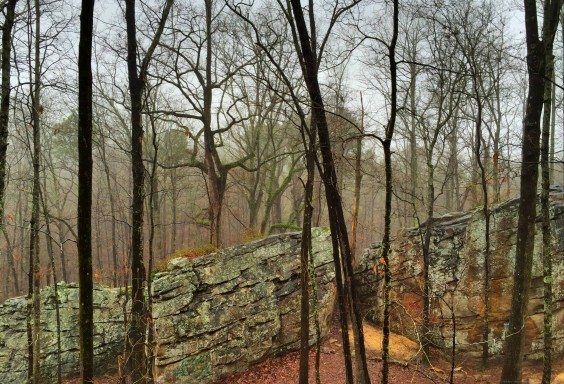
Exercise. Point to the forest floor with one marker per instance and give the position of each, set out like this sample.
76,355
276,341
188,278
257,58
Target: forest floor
403,370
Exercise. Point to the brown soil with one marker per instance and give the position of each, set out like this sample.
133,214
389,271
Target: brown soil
404,368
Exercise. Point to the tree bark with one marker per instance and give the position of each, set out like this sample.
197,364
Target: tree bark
35,272
413,164
386,241
486,212
153,212
111,197
62,257
341,247
137,79
357,182
426,344
136,337
216,172
84,210
537,51
551,156
5,110
545,214
305,252
51,254
174,208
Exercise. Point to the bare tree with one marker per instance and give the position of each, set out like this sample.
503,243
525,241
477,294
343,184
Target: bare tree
539,51
305,41
203,66
7,27
34,335
137,84
545,214
84,212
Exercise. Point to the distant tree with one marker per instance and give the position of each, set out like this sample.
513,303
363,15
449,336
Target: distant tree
473,31
201,64
442,99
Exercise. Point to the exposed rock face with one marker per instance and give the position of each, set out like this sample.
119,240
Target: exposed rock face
213,315
108,333
456,274
220,313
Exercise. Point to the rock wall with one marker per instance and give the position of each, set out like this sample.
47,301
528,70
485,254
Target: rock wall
108,333
213,315
219,314
456,273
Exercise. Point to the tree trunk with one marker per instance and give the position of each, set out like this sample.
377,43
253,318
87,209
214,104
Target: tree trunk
62,257
116,267
452,192
215,172
174,208
136,337
138,328
35,271
551,156
305,254
84,211
341,247
357,182
5,112
216,193
474,177
51,253
537,54
386,245
426,258
297,201
413,164
153,209
545,214
386,241
496,142
115,263
486,212
276,217
11,263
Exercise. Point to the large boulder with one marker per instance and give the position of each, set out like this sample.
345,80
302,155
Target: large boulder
220,313
457,280
213,315
108,333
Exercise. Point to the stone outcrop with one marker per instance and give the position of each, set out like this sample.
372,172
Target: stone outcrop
108,333
220,313
456,276
213,315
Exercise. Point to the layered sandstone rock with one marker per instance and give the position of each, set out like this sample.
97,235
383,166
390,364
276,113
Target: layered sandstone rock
213,315
456,280
108,333
220,313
